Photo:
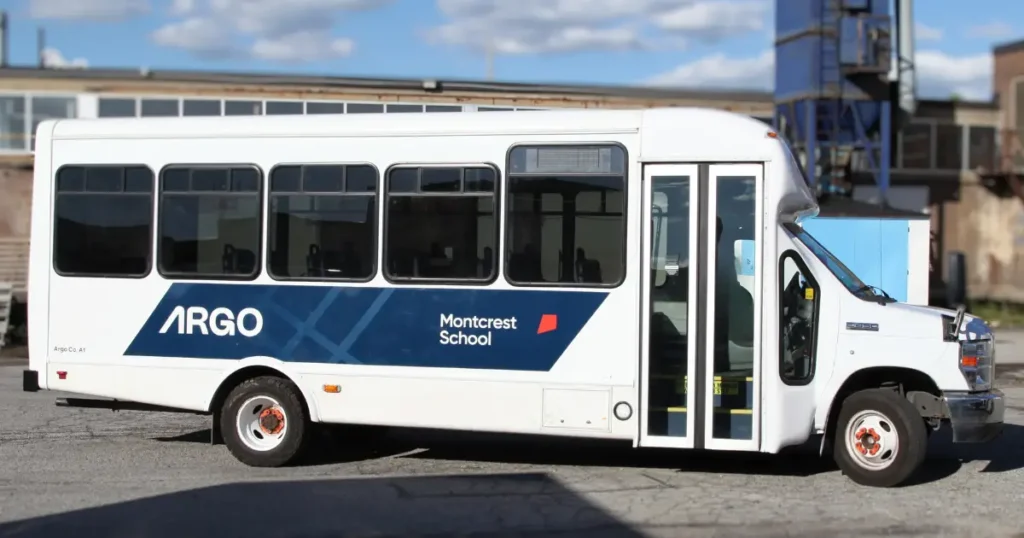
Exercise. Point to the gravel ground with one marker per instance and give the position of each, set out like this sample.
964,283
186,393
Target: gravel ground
83,473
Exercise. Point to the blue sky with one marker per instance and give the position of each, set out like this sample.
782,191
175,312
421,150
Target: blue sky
686,43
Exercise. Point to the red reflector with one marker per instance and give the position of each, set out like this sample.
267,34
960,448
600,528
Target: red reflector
61,374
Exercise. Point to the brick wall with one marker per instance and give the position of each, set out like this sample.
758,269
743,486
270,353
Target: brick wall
15,201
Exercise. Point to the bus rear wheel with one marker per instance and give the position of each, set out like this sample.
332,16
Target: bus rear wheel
264,422
880,438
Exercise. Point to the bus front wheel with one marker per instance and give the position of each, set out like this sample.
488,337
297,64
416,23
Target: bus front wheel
880,438
264,422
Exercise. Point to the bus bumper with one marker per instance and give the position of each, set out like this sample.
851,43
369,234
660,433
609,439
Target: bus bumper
975,417
29,381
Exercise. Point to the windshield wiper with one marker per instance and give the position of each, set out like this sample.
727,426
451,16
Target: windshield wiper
869,287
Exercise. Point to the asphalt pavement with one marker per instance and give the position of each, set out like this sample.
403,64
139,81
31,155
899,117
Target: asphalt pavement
85,473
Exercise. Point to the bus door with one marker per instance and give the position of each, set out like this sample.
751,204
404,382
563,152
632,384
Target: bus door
700,356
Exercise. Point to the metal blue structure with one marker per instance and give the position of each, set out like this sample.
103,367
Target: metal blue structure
834,93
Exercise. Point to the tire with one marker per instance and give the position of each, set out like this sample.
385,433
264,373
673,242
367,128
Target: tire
259,438
902,438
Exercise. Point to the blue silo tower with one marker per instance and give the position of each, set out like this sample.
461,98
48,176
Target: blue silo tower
836,84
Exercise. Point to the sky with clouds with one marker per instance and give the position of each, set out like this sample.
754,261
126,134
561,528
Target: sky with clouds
685,43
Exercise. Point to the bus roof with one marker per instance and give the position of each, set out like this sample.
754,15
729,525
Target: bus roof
703,123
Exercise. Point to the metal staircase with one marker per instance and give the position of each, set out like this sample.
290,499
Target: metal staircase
833,95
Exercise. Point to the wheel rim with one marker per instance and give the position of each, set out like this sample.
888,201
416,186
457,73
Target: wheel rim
262,423
871,440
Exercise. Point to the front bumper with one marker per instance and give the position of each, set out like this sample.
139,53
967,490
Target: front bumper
975,417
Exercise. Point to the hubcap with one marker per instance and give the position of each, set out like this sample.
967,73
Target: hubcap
261,423
871,440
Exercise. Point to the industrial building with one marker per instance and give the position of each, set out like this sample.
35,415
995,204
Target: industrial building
954,159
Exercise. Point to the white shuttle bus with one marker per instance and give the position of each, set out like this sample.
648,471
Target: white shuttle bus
639,275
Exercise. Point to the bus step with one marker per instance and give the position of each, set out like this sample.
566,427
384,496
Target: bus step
117,405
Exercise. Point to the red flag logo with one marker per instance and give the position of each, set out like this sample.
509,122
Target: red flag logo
548,323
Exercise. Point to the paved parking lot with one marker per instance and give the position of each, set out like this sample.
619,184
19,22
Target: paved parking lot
84,473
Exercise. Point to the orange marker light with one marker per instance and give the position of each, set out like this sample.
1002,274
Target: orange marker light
970,362
332,389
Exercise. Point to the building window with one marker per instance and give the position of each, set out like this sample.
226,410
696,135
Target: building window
949,143
323,222
493,109
160,108
441,223
443,108
243,108
1016,141
281,108
116,107
210,221
916,146
566,220
201,107
325,108
103,221
365,108
405,108
982,148
12,123
51,108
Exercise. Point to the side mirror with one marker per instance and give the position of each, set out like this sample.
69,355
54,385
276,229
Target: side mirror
956,280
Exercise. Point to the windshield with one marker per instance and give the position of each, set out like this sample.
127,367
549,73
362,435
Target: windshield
855,285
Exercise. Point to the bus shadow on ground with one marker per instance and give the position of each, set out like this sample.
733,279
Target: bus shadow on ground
945,459
1001,455
516,449
494,504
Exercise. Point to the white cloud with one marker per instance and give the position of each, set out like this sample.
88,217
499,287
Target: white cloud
994,30
721,71
940,75
923,32
554,26
274,30
715,20
301,46
276,18
54,59
96,10
183,7
201,36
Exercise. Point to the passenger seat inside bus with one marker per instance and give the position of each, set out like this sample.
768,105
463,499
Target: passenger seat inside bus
238,261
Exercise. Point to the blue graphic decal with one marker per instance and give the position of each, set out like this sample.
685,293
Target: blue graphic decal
441,328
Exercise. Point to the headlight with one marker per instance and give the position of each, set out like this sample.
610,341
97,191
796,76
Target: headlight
978,363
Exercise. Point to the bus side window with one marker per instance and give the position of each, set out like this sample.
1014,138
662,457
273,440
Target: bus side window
566,215
798,309
322,223
441,223
210,221
103,221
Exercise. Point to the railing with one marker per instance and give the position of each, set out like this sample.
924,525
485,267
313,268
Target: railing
14,264
6,300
